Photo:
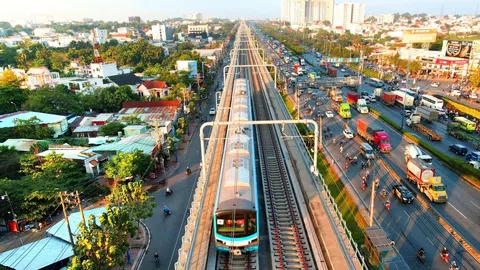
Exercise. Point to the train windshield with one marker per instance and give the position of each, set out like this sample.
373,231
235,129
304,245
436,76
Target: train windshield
243,224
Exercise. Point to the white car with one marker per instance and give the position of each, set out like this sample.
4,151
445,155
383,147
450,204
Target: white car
475,164
473,96
329,114
348,134
455,93
372,98
212,111
435,84
342,70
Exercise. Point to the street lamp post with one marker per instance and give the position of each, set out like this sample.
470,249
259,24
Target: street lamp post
403,114
11,207
14,105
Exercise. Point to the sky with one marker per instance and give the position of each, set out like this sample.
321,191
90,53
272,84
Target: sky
119,10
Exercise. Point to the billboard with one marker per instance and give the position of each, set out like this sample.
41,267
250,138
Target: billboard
454,48
419,35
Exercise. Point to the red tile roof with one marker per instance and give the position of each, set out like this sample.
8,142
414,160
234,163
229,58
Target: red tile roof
154,84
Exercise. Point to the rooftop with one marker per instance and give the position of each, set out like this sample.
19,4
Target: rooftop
133,127
86,129
154,84
125,79
22,145
102,117
7,120
77,153
152,110
143,142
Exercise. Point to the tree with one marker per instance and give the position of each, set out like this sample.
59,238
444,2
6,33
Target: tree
9,162
12,98
475,78
59,60
135,199
9,79
132,119
126,165
57,100
102,244
109,99
31,129
111,129
415,66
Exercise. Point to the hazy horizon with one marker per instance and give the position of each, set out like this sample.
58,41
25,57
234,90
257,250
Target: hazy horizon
119,10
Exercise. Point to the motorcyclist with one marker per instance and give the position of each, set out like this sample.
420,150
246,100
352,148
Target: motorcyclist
421,253
168,191
165,209
377,183
444,251
387,205
384,192
188,170
155,256
453,265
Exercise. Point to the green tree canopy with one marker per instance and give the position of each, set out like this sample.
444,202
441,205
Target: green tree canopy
132,119
109,99
10,97
57,100
111,129
9,162
126,165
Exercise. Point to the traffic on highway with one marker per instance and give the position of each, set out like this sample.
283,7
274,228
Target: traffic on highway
421,201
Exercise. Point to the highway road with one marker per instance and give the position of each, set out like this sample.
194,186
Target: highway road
410,225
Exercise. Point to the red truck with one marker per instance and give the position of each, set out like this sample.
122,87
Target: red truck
374,134
388,98
352,98
332,72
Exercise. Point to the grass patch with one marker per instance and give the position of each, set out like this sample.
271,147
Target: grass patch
369,72
457,165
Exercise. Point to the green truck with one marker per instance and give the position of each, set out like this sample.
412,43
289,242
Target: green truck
455,129
343,109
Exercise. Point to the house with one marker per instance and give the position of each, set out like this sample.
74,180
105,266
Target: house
58,123
126,79
82,85
163,112
81,155
41,76
158,89
103,70
21,145
102,119
134,130
147,143
52,252
86,131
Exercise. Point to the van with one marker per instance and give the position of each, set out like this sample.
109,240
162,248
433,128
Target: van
367,151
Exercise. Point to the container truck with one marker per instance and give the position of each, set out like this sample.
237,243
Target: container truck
413,151
332,72
362,106
374,134
427,113
352,99
336,94
388,98
404,99
423,176
343,109
413,121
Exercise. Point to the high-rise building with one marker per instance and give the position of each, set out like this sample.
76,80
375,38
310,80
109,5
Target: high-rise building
161,32
384,18
302,12
348,13
134,19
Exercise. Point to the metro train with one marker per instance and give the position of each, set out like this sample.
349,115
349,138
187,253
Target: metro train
236,215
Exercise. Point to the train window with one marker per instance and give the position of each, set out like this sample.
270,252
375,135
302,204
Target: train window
226,224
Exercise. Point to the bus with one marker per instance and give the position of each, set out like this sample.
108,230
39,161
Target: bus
376,82
465,124
432,102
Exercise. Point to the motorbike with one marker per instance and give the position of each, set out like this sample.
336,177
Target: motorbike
445,257
421,257
157,262
168,192
167,212
364,186
188,172
387,206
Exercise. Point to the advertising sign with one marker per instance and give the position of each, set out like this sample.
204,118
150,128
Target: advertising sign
460,49
448,62
419,35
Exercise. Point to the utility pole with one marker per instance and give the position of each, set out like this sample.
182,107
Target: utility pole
372,201
321,131
78,202
11,207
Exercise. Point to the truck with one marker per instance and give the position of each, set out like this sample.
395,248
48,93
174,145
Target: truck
332,72
388,98
413,151
359,104
335,94
414,120
423,176
457,132
302,61
374,134
378,92
404,99
427,113
343,109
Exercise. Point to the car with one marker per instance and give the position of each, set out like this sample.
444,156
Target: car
473,96
342,70
212,111
329,114
436,84
407,113
458,149
474,164
348,134
455,93
403,194
372,98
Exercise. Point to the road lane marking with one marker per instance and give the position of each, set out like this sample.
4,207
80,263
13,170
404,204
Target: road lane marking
457,210
407,213
430,241
475,205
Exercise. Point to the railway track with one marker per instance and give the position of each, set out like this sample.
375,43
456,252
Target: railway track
290,248
247,261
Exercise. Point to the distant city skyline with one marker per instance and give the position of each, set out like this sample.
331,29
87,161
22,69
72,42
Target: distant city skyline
120,10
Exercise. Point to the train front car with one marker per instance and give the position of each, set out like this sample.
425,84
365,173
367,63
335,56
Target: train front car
236,207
